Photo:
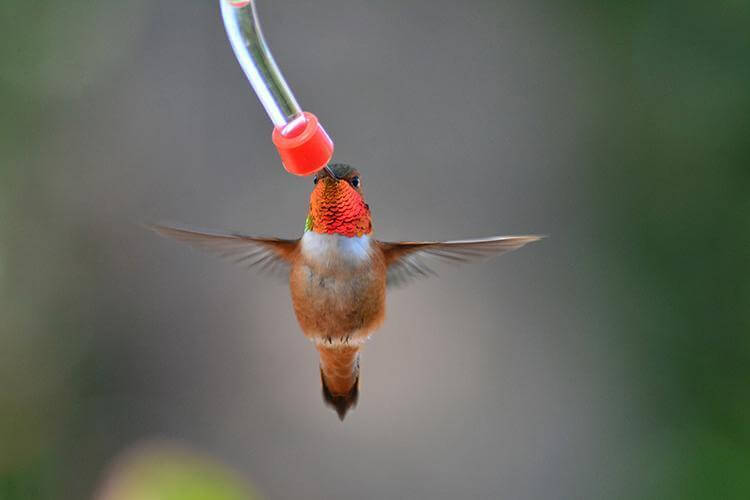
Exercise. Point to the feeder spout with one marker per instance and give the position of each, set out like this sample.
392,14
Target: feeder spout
303,144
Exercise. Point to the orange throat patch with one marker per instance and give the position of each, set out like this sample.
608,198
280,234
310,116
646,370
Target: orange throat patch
337,208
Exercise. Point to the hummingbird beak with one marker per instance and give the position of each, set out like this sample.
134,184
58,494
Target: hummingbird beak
330,172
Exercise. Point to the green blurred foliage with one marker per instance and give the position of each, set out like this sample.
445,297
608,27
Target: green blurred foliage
162,471
669,192
670,181
52,53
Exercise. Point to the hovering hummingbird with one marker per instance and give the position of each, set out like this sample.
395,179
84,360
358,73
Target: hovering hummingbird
338,273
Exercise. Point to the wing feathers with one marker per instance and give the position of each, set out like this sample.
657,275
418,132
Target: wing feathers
408,260
272,255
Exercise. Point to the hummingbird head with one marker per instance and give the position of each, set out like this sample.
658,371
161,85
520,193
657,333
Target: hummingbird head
337,204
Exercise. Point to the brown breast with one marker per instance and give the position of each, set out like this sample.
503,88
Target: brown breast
338,288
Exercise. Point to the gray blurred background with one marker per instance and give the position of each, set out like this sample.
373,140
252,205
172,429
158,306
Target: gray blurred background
608,361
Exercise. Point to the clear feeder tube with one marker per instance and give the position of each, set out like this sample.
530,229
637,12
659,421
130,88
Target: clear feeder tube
250,48
302,142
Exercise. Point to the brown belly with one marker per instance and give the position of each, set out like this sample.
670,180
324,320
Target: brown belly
338,304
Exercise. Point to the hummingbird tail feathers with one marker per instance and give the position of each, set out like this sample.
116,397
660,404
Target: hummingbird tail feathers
339,374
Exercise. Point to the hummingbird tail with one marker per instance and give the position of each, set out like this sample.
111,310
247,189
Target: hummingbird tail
339,373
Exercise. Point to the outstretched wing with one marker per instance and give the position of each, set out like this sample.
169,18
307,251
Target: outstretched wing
272,255
408,260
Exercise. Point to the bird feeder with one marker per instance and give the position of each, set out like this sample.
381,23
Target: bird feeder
302,143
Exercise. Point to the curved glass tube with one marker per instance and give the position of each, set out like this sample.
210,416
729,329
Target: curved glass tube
243,28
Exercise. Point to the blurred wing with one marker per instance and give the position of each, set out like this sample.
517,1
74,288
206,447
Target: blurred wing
271,255
408,260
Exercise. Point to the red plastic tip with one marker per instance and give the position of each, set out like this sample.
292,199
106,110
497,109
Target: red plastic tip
239,3
305,149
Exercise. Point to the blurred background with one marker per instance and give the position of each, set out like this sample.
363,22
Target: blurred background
611,360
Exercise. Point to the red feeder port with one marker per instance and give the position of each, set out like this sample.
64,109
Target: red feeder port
304,149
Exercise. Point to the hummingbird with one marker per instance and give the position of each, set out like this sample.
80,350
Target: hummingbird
338,273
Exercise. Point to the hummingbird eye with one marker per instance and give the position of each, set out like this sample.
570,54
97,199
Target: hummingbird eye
315,179
354,181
